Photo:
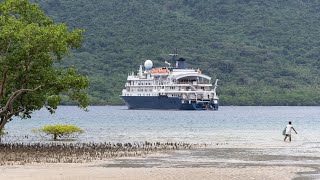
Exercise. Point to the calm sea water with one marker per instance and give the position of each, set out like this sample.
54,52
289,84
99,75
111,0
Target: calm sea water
232,125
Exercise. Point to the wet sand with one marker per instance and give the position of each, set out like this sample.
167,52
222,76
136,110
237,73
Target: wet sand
86,172
222,162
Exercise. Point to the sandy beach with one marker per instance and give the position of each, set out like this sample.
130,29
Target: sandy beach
199,163
88,171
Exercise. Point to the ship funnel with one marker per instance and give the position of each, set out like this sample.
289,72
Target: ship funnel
181,64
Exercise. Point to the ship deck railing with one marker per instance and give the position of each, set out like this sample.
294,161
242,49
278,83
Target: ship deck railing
193,83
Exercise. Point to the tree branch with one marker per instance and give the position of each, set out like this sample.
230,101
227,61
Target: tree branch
15,95
7,112
5,118
3,122
15,112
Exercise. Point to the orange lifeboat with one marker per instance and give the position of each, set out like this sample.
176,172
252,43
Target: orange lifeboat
159,71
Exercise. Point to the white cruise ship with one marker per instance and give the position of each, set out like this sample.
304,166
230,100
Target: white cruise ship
170,88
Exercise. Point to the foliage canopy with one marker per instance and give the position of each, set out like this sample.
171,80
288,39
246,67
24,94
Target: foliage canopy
60,130
30,44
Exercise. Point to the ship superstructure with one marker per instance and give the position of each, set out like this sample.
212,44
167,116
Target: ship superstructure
170,88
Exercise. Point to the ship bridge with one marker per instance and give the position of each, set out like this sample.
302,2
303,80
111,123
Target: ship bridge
192,76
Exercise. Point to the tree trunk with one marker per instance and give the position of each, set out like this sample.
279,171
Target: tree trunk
3,122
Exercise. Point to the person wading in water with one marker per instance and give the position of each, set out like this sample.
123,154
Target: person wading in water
288,131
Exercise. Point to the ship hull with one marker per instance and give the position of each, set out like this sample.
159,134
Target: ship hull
164,102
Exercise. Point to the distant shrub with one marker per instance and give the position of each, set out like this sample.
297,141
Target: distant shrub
61,131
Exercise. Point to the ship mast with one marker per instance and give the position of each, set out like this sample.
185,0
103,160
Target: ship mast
175,54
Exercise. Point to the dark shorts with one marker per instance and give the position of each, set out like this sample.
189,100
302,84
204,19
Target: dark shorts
288,135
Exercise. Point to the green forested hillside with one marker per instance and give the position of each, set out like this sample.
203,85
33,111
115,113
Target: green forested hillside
263,52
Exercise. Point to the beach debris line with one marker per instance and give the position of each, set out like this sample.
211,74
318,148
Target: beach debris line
20,153
59,130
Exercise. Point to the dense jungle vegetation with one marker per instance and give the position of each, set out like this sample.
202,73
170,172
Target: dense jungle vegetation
263,52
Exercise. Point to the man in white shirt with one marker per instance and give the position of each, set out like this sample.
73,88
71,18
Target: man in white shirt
288,131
